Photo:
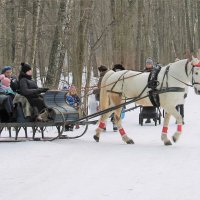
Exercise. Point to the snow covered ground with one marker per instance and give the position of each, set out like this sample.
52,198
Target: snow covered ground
110,170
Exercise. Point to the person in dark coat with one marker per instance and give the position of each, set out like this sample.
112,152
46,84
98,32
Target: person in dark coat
148,68
118,67
102,70
148,65
29,88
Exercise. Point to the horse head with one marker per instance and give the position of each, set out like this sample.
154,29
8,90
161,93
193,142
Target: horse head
195,74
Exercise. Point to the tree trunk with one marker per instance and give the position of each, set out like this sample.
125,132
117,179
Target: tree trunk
139,33
36,14
56,49
82,30
10,31
19,45
187,19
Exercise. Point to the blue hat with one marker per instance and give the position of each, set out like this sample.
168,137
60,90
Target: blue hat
65,88
149,61
6,68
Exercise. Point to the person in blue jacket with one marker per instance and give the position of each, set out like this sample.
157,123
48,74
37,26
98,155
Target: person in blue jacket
72,97
73,100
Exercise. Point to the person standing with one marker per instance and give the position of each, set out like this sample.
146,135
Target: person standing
102,71
148,65
116,68
148,68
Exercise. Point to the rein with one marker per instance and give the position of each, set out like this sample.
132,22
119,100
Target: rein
186,72
115,82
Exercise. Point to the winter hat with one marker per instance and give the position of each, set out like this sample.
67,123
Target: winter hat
149,61
25,67
72,87
6,68
65,88
2,76
102,68
4,80
118,67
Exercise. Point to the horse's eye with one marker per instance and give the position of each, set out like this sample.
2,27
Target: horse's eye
196,73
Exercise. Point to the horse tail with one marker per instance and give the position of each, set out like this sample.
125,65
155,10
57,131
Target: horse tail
104,97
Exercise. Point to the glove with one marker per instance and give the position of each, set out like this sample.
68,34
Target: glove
42,90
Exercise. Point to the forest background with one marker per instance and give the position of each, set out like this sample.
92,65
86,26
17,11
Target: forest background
58,37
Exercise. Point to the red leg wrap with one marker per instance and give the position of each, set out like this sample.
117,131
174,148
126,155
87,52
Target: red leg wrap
102,125
179,128
165,129
121,131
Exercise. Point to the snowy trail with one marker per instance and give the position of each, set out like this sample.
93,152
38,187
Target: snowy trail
84,170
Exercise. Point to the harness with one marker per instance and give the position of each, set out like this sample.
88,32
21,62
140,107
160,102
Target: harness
153,83
121,78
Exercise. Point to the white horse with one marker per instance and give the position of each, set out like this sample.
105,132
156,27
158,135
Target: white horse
175,78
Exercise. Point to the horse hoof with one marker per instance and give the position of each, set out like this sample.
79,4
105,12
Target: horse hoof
130,142
96,138
175,137
167,143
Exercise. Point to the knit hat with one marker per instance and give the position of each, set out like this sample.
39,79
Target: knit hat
6,68
72,87
4,80
149,61
25,67
65,88
2,76
102,68
118,67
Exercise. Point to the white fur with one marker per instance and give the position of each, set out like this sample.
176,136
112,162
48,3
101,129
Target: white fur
131,84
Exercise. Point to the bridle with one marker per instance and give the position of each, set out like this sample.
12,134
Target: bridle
188,74
192,72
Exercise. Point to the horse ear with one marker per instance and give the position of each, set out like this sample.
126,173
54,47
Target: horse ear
195,61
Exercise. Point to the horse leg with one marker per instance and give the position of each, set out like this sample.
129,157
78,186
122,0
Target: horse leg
123,134
101,126
164,137
104,104
116,100
179,120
